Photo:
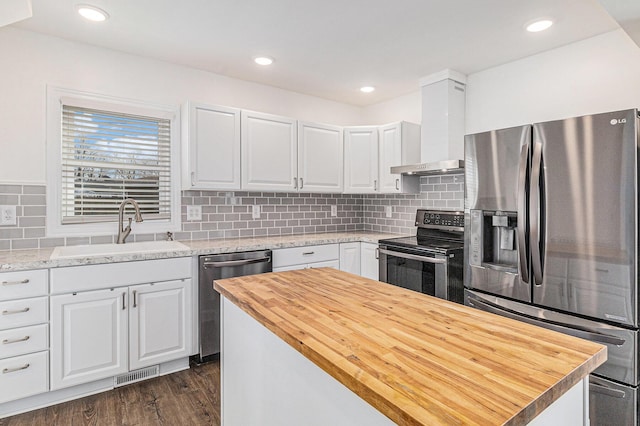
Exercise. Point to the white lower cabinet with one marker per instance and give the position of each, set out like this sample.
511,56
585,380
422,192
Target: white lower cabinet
158,319
88,336
369,261
24,334
350,257
102,333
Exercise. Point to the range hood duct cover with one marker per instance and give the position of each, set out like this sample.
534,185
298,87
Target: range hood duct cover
442,129
426,169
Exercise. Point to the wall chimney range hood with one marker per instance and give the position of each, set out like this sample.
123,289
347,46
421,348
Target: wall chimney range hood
442,129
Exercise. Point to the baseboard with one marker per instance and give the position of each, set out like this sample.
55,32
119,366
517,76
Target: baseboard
59,396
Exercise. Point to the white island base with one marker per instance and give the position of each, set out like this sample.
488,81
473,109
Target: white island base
266,382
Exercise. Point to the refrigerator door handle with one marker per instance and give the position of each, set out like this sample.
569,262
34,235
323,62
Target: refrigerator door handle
583,334
607,391
522,214
534,214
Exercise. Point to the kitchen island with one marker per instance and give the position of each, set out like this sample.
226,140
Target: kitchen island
321,346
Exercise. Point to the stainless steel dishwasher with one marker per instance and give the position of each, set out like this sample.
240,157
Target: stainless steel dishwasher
216,267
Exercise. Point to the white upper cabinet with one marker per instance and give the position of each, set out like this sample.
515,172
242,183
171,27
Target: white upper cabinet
361,159
371,151
399,145
211,147
269,152
320,158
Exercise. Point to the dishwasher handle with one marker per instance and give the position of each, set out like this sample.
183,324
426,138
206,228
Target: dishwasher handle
241,262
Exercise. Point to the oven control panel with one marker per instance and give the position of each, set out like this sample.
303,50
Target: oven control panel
446,219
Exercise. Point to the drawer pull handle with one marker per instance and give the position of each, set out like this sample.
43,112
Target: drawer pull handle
9,341
307,253
25,281
135,303
606,271
17,311
13,370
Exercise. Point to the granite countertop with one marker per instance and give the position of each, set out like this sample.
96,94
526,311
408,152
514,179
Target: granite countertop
20,260
465,367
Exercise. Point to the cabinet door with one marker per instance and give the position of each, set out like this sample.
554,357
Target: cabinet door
369,260
159,322
88,337
320,158
390,155
361,159
213,141
350,257
269,152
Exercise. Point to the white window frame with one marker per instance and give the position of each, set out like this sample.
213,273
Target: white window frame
56,97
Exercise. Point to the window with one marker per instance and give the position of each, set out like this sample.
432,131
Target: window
102,151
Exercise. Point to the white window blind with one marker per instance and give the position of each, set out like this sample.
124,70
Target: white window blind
109,156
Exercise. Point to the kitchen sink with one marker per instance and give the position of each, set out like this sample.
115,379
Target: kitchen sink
68,252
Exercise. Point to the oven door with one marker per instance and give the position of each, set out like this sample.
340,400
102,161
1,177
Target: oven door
415,270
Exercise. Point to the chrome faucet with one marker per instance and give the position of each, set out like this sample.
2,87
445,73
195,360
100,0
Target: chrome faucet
123,233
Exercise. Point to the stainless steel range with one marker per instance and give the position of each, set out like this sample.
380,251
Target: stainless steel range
430,262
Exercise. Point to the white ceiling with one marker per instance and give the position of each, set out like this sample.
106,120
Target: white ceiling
327,48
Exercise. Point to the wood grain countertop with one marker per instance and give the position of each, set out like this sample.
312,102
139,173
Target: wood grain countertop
415,358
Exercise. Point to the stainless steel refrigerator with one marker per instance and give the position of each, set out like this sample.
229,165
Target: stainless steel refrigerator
551,238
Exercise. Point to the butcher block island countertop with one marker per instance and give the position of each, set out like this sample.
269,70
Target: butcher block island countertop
415,358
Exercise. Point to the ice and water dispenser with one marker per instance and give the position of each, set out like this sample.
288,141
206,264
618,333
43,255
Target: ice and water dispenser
493,240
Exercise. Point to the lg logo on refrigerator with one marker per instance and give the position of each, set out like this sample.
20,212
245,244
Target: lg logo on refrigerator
615,121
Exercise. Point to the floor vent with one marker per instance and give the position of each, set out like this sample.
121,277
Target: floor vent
136,376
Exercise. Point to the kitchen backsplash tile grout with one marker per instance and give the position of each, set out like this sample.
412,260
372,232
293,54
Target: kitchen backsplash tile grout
227,214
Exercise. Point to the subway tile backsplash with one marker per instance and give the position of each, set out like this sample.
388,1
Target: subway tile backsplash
228,214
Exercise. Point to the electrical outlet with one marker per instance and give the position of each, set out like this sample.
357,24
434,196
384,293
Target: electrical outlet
8,215
388,211
255,212
194,212
334,210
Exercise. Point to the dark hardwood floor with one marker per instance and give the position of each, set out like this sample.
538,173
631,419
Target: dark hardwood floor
190,397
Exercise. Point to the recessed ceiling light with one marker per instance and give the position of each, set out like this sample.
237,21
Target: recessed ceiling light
367,89
92,13
539,25
263,60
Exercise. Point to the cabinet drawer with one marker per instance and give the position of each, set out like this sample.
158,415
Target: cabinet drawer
17,285
23,376
305,255
24,340
19,313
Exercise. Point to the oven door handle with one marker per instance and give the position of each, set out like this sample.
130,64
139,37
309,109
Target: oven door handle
412,256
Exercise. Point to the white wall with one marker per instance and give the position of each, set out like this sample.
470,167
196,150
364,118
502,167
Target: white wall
32,61
599,74
403,108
